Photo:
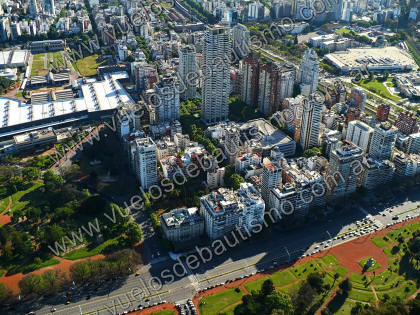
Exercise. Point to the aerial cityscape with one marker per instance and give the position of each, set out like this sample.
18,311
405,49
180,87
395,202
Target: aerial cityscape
238,157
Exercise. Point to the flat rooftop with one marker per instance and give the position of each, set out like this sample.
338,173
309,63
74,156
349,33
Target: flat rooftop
99,96
357,57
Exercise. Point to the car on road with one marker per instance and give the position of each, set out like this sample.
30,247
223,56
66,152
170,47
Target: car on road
395,218
53,309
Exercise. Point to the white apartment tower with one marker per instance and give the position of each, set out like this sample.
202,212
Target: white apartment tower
225,209
241,40
188,72
413,145
383,141
343,174
167,102
311,122
146,162
307,76
216,76
360,134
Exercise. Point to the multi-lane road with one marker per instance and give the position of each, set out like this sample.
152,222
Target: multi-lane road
269,248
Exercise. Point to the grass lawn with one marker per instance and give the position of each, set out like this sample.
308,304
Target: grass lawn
404,290
37,64
374,266
341,270
304,270
362,295
384,277
379,241
343,308
343,30
89,251
390,284
393,251
19,94
33,266
87,66
379,88
212,304
165,312
330,260
413,226
230,310
395,234
290,289
282,278
17,202
58,60
255,285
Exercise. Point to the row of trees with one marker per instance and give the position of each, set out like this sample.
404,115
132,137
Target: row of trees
198,10
118,264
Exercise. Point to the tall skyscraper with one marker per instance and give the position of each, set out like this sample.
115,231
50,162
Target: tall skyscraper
216,75
167,102
311,122
146,162
383,141
188,72
250,78
241,40
307,76
360,134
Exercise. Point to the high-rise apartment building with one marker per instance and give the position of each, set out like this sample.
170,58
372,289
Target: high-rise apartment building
308,73
232,143
343,174
376,173
407,123
274,85
383,141
360,134
15,31
382,112
357,99
266,85
146,162
271,178
4,29
311,122
216,75
33,8
250,77
167,102
413,144
240,40
188,72
225,210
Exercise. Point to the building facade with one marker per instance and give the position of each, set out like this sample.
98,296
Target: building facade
146,162
226,210
360,134
383,141
188,72
216,81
